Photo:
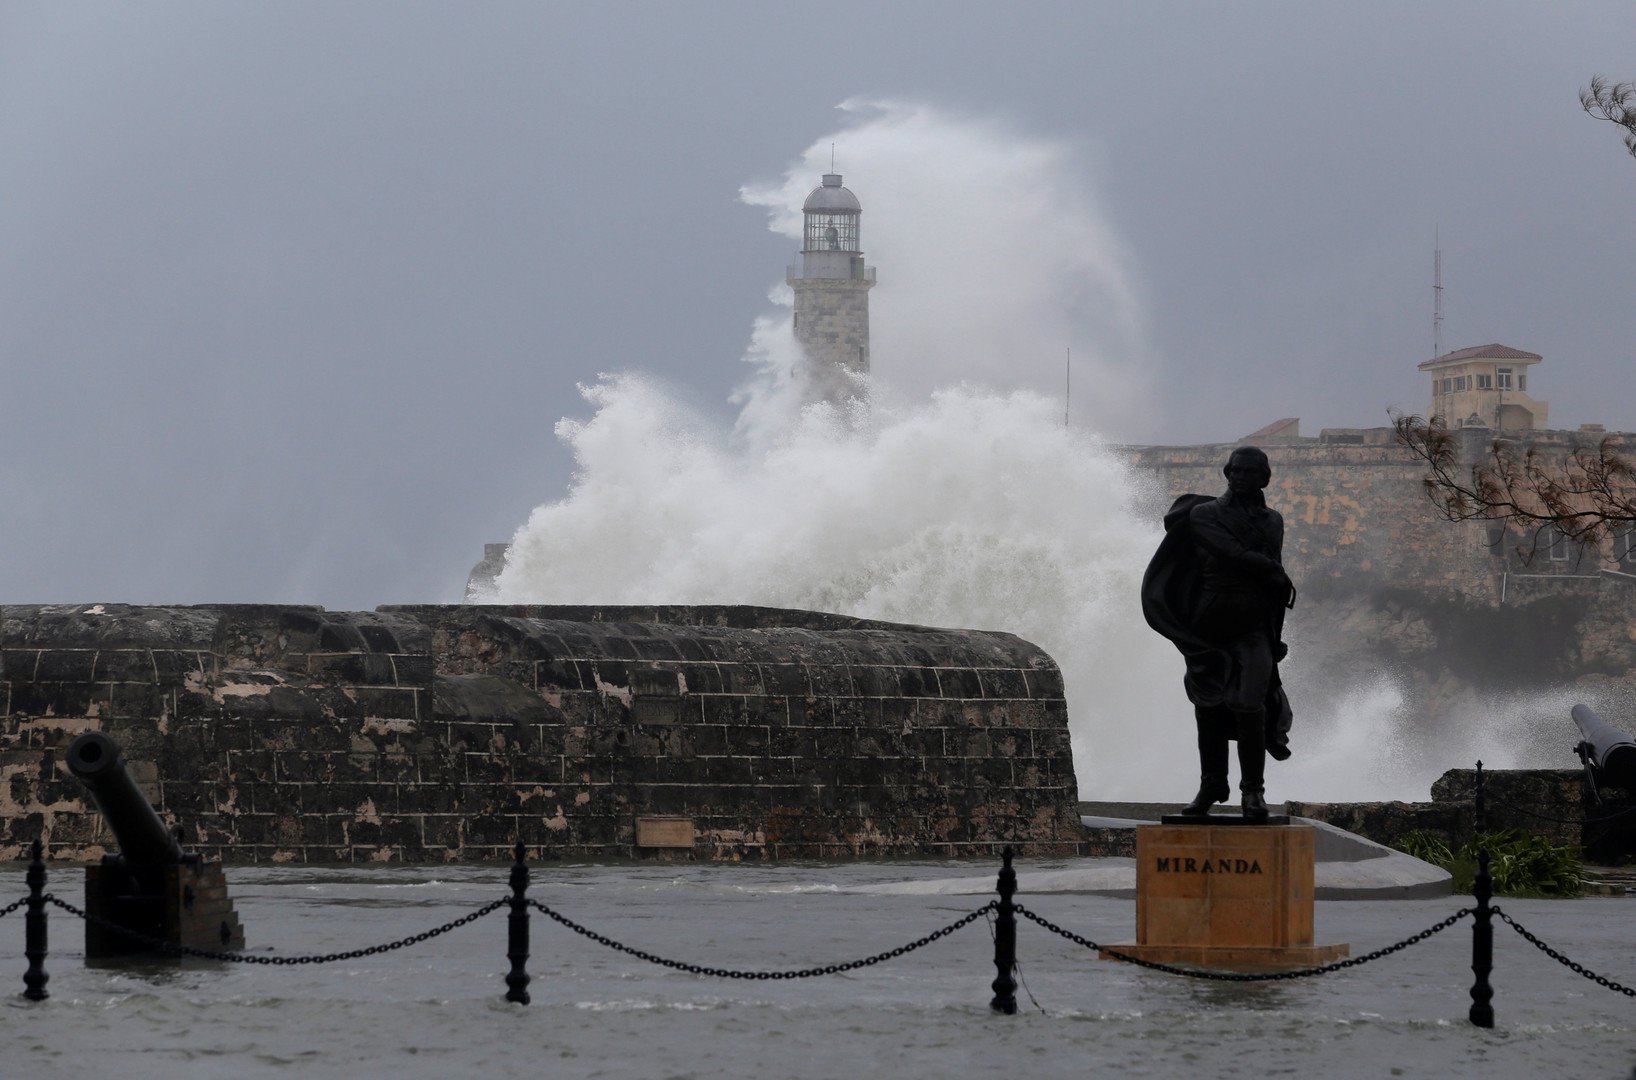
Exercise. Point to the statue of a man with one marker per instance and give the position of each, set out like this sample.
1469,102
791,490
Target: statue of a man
1217,589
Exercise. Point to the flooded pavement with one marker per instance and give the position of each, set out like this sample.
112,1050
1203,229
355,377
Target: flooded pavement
436,1009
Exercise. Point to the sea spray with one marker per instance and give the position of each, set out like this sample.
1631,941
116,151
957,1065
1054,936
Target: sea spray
959,498
975,509
995,255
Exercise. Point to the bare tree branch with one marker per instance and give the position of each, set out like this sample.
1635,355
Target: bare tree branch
1587,496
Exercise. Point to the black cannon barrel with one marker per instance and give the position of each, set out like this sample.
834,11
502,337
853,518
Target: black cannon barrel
143,839
1610,752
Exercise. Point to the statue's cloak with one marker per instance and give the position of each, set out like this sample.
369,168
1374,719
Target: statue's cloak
1171,597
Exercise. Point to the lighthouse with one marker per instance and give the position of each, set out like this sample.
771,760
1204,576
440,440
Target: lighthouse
831,285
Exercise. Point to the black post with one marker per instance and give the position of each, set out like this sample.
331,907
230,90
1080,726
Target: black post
35,977
1482,927
517,930
1005,941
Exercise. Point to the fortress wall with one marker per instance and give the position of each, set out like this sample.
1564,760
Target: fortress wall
281,733
1352,513
1386,582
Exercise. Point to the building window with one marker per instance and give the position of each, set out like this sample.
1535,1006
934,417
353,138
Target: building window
1522,379
1485,382
1448,385
1559,547
1624,544
1505,378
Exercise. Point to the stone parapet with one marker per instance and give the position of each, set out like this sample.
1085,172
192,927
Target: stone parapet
283,733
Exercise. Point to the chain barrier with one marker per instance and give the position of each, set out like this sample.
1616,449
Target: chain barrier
249,958
728,973
1575,967
516,902
1244,976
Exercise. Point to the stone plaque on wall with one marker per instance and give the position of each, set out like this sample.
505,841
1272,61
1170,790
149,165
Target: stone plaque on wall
664,832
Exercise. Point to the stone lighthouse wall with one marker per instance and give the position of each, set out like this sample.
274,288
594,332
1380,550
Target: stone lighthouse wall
832,327
276,733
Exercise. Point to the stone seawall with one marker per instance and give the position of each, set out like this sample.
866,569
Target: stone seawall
281,733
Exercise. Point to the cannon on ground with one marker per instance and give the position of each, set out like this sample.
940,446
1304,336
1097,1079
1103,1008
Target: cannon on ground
152,886
1608,753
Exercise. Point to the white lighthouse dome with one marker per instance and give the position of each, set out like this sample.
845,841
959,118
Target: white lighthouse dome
831,197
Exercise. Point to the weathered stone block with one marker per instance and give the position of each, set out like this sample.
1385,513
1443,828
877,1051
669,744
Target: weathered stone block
741,678
1002,683
20,664
65,665
358,669
126,665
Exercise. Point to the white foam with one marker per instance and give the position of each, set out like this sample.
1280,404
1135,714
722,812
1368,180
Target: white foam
950,502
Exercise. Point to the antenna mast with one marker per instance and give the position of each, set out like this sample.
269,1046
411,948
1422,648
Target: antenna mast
1437,293
1067,383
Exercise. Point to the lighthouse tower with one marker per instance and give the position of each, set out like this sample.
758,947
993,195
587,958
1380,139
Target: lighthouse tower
832,286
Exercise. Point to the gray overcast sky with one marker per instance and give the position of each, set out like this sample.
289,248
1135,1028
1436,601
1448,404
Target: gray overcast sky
291,293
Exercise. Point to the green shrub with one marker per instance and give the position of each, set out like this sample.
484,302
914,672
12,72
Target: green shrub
1427,846
1527,864
1520,864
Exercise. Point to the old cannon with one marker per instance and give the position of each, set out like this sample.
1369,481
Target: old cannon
1608,753
152,887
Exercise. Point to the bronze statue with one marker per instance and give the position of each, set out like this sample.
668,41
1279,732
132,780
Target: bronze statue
1217,589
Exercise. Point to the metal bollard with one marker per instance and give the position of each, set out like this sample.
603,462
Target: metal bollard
34,928
1482,927
517,930
1005,941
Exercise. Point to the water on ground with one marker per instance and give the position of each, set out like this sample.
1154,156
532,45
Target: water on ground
436,1009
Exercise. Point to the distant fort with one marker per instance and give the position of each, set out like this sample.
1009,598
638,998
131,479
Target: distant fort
1384,579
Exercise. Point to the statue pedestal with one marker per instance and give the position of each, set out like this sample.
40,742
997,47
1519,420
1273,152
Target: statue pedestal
1235,896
